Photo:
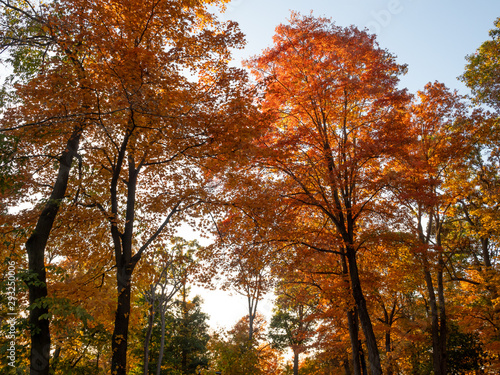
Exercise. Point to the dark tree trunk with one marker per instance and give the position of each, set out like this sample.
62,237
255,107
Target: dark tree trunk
486,253
184,361
363,361
296,363
438,327
149,332
123,258
125,262
120,333
347,369
343,192
184,330
352,323
388,349
364,317
389,318
162,341
388,341
35,247
443,329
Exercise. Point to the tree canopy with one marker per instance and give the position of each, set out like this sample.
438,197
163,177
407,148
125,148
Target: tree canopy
369,213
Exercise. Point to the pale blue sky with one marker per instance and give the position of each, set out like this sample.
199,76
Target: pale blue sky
431,36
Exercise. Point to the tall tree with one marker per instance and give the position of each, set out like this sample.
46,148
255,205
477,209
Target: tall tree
48,65
242,261
477,186
292,322
440,143
338,118
182,334
159,296
162,126
471,235
190,336
483,70
153,81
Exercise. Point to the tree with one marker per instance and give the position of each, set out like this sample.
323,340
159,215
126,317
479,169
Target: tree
397,280
190,337
252,282
464,351
171,279
235,354
483,69
440,141
151,125
182,334
43,56
338,118
476,212
9,181
291,323
472,237
242,261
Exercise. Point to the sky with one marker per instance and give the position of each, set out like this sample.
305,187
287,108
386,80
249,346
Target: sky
431,36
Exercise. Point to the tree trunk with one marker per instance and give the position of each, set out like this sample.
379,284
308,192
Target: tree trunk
162,340
352,322
252,313
120,334
486,253
184,361
442,319
389,320
296,363
35,247
125,262
184,353
347,369
251,318
364,317
362,358
123,258
437,327
149,332
388,341
388,351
